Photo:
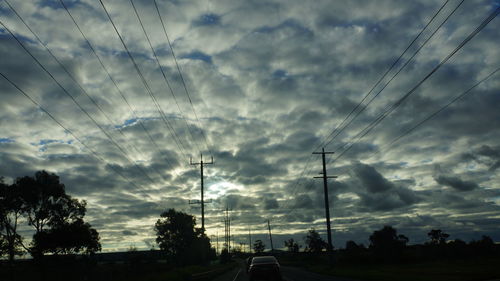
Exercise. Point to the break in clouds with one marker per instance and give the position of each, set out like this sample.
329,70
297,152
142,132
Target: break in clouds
263,85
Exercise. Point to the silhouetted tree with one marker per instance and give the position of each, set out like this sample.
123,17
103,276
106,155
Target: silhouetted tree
258,246
485,246
437,236
11,209
457,248
40,195
4,249
387,243
292,245
56,217
180,240
314,242
351,246
67,238
225,256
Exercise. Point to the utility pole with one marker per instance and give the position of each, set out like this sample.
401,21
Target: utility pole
217,245
202,202
325,189
227,230
270,236
249,240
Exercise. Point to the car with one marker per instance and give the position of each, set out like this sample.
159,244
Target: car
264,267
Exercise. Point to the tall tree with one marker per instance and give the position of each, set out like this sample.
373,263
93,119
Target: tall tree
387,243
179,239
351,246
314,242
437,236
258,246
11,209
292,246
40,195
67,238
56,217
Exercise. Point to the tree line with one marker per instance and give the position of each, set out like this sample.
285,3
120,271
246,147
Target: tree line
386,244
40,203
56,219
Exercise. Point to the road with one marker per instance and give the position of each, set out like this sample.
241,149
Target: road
289,274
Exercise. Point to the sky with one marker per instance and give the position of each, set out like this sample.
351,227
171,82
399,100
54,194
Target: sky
258,86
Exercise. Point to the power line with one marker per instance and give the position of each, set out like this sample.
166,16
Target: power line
132,110
163,74
397,73
72,134
182,78
110,138
72,77
420,123
145,83
326,142
429,117
388,111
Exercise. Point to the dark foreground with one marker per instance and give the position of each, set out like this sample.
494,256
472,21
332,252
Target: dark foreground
478,269
474,269
288,273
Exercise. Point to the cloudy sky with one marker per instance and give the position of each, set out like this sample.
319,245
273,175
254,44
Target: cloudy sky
258,85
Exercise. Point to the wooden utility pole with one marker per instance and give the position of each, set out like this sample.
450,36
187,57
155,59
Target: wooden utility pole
202,202
227,230
325,178
270,236
249,240
217,247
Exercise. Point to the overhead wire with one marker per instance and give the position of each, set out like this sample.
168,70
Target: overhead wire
389,146
388,111
65,91
378,82
179,143
325,142
73,78
182,79
400,69
163,74
119,91
66,129
429,117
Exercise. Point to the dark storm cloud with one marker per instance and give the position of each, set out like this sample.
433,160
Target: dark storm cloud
303,201
456,183
270,204
129,233
372,180
238,202
137,210
379,194
486,154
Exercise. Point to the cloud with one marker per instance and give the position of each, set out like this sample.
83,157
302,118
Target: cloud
456,183
372,180
129,233
267,83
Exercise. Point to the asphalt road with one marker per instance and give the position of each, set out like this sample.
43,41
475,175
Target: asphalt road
289,274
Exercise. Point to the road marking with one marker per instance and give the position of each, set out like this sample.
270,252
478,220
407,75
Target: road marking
236,277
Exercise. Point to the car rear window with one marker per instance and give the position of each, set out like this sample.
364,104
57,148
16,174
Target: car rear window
264,260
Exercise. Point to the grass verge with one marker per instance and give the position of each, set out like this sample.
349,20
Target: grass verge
442,270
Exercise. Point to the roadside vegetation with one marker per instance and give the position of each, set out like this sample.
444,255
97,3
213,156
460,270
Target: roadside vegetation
389,257
64,247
